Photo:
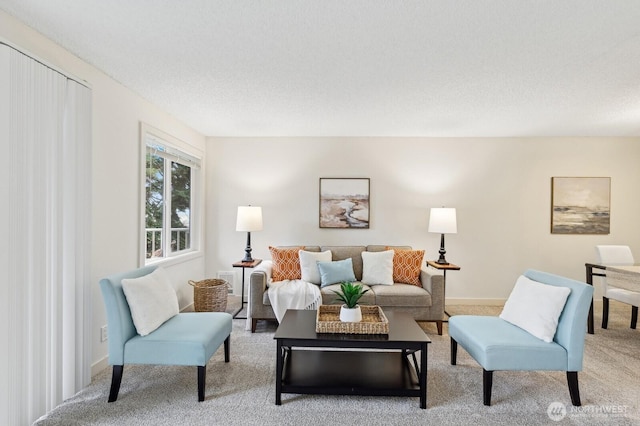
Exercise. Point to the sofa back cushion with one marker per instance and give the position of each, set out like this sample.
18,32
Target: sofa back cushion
377,247
346,252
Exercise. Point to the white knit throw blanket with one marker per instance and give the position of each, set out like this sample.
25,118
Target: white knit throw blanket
293,294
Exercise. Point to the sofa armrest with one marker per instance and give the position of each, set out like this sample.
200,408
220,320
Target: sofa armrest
433,281
259,281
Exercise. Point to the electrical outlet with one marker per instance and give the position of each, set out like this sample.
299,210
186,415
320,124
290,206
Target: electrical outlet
103,333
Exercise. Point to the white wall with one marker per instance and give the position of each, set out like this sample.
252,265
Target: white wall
117,113
501,188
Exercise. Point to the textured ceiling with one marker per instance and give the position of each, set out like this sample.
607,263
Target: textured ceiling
365,67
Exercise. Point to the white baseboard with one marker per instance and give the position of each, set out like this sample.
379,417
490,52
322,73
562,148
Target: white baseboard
99,366
492,302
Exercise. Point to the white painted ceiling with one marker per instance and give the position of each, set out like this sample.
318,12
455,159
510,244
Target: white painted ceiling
365,67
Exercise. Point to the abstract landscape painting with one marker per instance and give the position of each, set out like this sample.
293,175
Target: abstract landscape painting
580,205
344,203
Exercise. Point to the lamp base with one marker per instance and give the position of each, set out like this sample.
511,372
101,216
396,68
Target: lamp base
247,250
441,260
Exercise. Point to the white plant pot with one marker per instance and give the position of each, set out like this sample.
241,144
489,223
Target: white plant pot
350,315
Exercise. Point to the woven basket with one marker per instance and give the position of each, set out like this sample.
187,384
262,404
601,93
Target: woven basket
210,295
374,321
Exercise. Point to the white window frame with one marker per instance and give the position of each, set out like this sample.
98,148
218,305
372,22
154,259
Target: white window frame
192,157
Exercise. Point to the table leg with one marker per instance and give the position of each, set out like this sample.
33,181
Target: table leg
423,376
590,282
279,367
444,286
590,274
242,302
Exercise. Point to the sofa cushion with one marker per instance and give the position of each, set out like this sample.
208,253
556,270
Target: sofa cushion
401,295
345,252
407,265
377,267
378,247
151,299
329,297
535,307
336,272
286,263
309,265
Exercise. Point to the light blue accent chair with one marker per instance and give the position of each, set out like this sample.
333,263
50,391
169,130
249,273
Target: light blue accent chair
499,345
189,338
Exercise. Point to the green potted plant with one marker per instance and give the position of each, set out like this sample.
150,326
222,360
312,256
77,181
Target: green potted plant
350,294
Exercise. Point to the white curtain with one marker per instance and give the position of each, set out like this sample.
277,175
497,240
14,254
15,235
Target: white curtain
45,130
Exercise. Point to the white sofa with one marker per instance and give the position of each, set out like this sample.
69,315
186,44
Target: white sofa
424,303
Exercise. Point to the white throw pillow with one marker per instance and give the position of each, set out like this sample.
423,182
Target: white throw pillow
535,307
377,267
309,264
152,300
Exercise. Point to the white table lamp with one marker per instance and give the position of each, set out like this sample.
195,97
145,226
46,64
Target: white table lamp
249,219
443,221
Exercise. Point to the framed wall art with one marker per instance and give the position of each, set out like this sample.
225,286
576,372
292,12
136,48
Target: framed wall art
344,203
580,205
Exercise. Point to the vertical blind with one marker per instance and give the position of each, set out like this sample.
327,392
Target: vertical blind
46,222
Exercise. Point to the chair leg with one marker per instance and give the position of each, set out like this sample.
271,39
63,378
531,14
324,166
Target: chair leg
605,311
439,326
487,382
254,324
634,316
202,376
454,351
116,379
572,380
227,348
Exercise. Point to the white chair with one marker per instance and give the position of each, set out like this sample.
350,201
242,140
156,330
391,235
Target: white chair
617,255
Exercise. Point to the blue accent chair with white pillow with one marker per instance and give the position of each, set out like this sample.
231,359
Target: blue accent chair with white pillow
189,338
499,345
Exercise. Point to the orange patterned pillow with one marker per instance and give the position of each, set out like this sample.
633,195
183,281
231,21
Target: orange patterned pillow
286,263
407,265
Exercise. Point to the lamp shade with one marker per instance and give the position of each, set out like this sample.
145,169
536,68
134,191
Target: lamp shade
249,219
442,220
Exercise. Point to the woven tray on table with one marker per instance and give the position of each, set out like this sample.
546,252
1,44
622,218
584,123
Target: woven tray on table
373,321
210,295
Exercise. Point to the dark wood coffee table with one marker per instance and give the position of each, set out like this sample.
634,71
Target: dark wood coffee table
394,372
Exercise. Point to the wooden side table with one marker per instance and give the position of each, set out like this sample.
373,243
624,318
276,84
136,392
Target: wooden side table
444,267
244,265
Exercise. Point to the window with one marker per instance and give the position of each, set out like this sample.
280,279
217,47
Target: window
170,183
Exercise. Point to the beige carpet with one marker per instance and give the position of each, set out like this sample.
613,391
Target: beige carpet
243,391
